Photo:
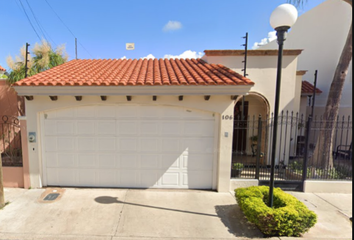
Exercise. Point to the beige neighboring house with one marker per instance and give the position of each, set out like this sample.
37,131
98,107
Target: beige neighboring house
321,33
164,123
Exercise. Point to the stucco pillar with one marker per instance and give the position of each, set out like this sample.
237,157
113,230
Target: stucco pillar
225,149
25,158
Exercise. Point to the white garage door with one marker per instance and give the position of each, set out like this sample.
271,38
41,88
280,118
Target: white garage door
128,146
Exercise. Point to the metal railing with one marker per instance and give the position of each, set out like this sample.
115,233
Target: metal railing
10,141
254,150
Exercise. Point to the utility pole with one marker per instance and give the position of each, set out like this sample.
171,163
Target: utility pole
76,48
244,72
26,59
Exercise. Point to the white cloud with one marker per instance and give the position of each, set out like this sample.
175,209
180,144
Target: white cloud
172,26
185,54
271,36
150,56
124,57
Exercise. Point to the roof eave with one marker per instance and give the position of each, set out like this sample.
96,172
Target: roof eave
131,90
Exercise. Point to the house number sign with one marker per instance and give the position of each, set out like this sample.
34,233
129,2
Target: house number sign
226,117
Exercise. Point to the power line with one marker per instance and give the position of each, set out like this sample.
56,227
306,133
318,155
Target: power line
67,27
41,28
30,21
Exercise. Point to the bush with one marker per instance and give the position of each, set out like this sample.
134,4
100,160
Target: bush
288,217
237,166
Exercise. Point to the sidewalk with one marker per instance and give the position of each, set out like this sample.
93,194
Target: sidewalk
155,215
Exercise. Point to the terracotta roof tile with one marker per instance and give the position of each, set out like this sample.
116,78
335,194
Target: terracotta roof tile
129,72
307,88
2,69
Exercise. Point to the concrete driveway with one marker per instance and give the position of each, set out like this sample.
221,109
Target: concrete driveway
123,214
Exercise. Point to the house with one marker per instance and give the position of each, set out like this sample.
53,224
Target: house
146,123
321,32
131,123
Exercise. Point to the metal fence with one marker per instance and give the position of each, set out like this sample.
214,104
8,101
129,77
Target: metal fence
252,144
10,141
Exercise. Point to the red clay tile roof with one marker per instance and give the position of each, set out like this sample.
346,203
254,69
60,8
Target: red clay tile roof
2,69
107,72
307,87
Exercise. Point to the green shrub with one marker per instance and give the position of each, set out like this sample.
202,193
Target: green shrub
237,166
288,217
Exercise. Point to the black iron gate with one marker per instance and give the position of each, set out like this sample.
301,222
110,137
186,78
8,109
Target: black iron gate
10,141
254,161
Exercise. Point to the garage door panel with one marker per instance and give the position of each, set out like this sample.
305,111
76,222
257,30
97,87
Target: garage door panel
65,127
65,144
107,178
86,160
169,128
106,127
52,175
170,145
108,160
198,145
50,128
170,161
128,178
200,162
51,159
170,179
66,177
148,178
149,128
128,161
128,128
85,127
86,177
149,161
66,160
150,144
198,179
129,146
106,144
86,144
51,143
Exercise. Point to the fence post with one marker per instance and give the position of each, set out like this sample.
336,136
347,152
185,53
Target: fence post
304,164
259,141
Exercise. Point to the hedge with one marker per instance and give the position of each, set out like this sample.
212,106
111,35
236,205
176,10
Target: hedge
288,217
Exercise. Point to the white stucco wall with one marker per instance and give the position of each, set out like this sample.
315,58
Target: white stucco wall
262,71
322,32
220,105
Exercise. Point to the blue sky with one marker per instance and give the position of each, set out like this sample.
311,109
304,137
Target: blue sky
157,27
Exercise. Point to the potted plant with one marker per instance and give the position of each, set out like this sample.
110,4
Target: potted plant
237,167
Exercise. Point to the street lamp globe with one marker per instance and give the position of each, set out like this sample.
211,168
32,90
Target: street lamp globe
284,15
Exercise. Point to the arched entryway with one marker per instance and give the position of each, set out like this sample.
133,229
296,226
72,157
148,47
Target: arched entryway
247,109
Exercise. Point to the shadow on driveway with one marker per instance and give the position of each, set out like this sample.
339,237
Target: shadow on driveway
230,215
236,222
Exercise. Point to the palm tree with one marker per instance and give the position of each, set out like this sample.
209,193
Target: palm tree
323,152
44,58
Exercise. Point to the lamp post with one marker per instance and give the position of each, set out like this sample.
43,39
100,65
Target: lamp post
281,19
